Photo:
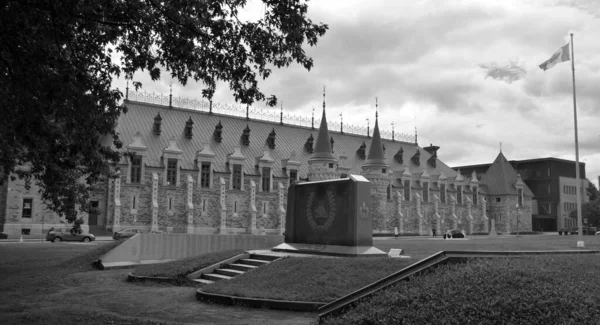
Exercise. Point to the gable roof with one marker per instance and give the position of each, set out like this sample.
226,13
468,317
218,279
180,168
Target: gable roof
501,177
140,117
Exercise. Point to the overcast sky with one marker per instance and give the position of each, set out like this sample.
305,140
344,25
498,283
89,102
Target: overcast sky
465,73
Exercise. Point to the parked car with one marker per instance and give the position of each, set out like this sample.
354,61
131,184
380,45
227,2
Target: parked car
564,231
597,233
585,230
454,233
56,235
126,233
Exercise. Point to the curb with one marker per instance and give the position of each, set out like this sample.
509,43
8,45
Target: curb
140,278
302,306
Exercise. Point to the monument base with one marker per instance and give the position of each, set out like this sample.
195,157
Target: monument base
332,250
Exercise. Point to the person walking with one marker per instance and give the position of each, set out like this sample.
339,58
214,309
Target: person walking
433,231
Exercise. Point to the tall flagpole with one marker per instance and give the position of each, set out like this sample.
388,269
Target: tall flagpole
580,242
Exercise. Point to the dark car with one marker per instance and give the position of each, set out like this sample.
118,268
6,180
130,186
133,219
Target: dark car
564,231
454,233
56,235
126,233
585,230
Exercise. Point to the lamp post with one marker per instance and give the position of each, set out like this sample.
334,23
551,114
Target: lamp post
42,227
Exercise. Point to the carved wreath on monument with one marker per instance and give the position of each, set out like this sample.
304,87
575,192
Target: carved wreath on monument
317,214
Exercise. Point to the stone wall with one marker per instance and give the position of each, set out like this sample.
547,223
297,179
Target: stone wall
41,217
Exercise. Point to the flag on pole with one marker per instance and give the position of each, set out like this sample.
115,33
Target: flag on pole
561,55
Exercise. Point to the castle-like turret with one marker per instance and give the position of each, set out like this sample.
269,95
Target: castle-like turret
375,170
322,164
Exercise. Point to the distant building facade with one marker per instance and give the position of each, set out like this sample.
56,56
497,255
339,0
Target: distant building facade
200,172
553,184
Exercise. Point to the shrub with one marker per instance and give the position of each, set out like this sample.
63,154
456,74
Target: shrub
559,289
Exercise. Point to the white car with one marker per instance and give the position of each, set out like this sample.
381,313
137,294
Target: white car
597,233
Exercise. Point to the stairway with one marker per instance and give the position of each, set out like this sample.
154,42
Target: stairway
239,267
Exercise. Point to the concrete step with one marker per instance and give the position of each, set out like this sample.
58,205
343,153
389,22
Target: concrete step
203,281
229,272
242,267
250,261
262,257
215,277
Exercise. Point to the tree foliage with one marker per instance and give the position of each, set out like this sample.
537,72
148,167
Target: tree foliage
57,66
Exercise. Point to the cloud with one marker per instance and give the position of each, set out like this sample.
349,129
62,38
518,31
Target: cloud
508,73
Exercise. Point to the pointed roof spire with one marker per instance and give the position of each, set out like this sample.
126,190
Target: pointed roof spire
376,156
322,149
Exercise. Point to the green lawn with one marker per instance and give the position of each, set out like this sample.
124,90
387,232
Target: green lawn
559,289
421,247
311,279
179,269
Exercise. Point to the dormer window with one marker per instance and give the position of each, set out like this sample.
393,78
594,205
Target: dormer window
398,156
157,122
361,151
188,128
308,146
136,169
416,158
246,136
171,171
271,139
218,133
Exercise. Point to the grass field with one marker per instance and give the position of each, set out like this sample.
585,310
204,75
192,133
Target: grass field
43,283
309,279
551,289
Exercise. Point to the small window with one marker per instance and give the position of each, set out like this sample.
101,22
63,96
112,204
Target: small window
549,189
205,175
330,165
407,190
264,207
171,171
237,177
520,197
27,208
548,172
25,231
475,195
170,204
344,176
266,179
134,203
234,206
136,169
498,199
383,170
443,192
389,192
204,205
293,175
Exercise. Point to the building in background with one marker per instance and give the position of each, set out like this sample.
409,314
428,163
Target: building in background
209,170
553,184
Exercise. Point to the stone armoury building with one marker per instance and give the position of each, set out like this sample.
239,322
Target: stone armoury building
201,172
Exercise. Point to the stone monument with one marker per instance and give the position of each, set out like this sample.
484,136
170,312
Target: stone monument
330,217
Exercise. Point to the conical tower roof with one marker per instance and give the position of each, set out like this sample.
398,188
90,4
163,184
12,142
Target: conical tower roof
376,156
501,177
322,149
